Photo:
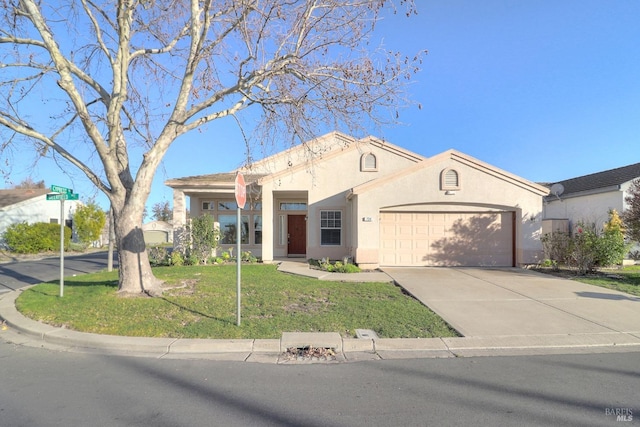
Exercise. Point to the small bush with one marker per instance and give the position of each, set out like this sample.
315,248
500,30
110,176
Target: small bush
248,257
549,263
159,256
191,259
177,259
24,238
77,247
338,266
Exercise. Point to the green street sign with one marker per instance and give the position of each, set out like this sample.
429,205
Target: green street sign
62,196
58,189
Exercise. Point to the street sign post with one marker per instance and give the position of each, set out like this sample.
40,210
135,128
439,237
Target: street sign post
241,200
62,194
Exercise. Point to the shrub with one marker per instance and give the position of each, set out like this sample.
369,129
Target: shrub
192,259
588,248
159,256
584,248
248,257
204,238
556,246
24,238
338,266
177,259
549,263
611,246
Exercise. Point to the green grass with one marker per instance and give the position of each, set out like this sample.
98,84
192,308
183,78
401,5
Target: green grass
625,280
200,302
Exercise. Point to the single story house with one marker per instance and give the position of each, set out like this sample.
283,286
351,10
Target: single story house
588,198
375,203
31,205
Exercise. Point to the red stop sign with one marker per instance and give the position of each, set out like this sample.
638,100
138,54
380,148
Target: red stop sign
241,191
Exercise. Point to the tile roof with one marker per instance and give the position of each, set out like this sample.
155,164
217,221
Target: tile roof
12,197
598,180
216,178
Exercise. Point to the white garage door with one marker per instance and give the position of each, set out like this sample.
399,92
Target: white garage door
446,239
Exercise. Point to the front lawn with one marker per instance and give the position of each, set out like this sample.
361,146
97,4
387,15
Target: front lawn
626,279
200,302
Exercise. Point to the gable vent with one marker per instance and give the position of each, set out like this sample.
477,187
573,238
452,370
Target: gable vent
450,180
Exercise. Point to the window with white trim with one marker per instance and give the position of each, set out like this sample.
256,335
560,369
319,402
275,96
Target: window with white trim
330,228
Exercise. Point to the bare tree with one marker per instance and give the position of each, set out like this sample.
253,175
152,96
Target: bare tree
29,183
107,86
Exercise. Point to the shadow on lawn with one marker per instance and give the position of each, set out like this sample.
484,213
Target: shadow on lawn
196,312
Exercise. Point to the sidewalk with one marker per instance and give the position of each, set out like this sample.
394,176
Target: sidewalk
23,331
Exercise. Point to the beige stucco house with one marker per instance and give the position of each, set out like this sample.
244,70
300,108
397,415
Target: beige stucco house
589,199
375,203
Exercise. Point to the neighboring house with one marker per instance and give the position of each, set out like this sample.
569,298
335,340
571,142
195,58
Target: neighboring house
589,198
375,203
31,206
157,232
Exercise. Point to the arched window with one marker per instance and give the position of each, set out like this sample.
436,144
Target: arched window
368,162
449,180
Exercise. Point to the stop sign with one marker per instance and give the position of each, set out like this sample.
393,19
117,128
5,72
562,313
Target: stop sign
241,191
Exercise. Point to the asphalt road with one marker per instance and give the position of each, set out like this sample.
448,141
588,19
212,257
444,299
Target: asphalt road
15,275
47,388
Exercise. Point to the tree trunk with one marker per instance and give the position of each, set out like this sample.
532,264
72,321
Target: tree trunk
135,277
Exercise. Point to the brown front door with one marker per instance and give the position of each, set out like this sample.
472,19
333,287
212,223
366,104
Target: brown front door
297,235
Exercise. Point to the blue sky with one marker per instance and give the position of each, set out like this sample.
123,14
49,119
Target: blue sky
546,89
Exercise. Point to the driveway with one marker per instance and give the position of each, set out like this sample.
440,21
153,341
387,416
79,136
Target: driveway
484,302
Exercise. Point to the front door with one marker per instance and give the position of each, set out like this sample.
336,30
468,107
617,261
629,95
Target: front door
297,235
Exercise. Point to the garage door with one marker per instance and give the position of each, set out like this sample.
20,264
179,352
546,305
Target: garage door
446,239
154,237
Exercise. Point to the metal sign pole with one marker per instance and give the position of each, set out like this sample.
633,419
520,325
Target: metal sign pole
62,247
238,261
62,194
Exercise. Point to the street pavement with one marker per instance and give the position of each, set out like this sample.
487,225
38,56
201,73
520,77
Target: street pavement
51,389
497,312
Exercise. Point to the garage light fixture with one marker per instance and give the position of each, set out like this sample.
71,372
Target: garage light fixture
449,193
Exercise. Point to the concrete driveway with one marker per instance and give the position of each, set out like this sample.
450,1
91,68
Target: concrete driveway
484,302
